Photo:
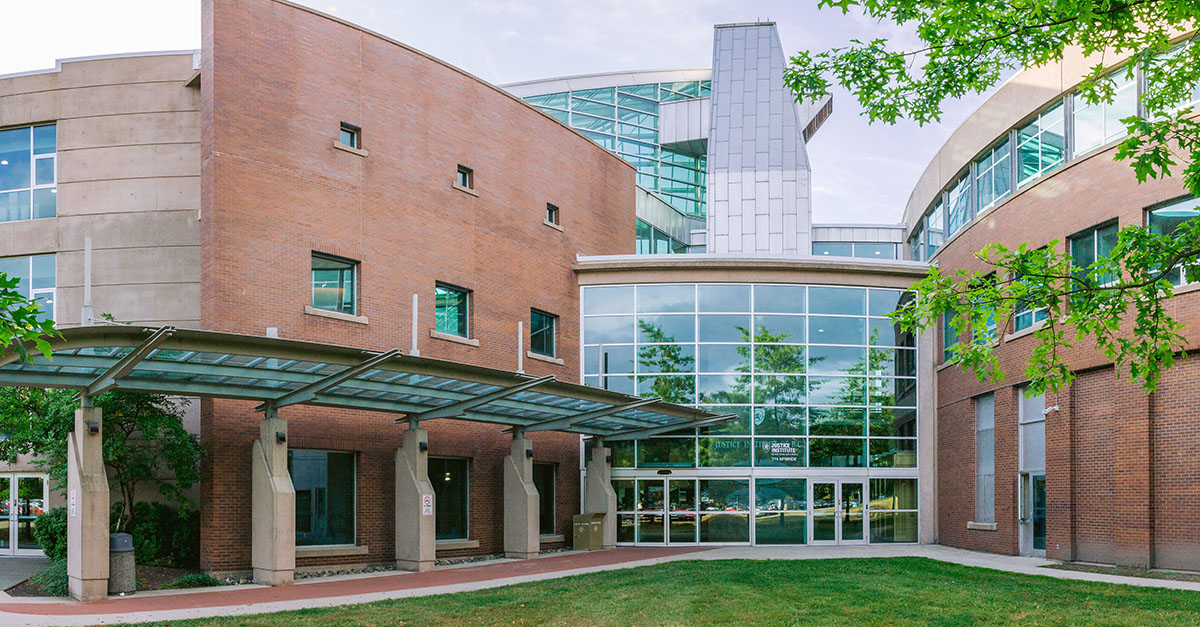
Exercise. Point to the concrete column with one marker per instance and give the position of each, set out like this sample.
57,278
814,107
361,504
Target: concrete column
415,501
273,509
600,497
87,509
927,433
521,539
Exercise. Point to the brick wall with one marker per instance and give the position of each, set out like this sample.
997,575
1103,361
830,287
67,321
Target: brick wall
277,82
1120,464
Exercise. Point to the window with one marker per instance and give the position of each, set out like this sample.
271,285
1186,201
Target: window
28,187
542,327
351,135
833,249
325,487
551,214
450,486
1091,245
936,228
861,250
1041,144
1165,220
985,480
949,336
37,279
1030,311
990,333
452,311
993,176
333,284
1097,124
466,177
543,480
652,241
959,202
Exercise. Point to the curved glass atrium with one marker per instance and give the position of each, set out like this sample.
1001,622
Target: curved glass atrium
625,120
824,387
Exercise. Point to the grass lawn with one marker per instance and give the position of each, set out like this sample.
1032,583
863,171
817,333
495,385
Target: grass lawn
895,591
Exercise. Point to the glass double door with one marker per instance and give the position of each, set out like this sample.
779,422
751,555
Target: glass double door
22,499
690,511
838,512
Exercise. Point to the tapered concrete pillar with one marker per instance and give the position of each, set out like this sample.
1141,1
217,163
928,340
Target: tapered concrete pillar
87,508
415,500
273,508
600,498
521,539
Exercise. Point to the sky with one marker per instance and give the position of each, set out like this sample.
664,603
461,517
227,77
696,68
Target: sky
862,173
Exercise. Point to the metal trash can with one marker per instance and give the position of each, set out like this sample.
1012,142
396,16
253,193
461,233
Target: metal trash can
122,571
588,535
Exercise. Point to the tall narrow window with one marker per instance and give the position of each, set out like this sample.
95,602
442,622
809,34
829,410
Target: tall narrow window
937,228
1091,245
949,336
959,201
334,284
465,177
452,310
985,470
351,135
542,327
325,487
551,214
450,487
543,480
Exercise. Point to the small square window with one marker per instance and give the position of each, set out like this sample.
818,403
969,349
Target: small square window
551,214
466,177
334,284
452,314
351,136
542,326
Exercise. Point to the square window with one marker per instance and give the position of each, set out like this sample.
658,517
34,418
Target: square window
551,214
351,135
542,327
452,312
334,284
466,177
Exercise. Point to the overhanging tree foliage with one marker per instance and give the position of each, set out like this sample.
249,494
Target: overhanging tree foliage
22,319
966,47
144,440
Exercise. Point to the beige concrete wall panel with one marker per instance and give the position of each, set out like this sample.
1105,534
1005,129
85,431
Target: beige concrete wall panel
131,266
124,162
123,99
29,84
29,237
126,230
153,304
125,70
159,127
129,196
20,109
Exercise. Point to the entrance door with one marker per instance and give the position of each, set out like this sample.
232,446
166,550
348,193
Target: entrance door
22,500
838,512
1033,514
668,511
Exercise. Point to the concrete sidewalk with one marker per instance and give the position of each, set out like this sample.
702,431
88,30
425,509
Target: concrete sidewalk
351,589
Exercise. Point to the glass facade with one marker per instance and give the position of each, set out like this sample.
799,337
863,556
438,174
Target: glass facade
28,173
652,241
625,120
822,384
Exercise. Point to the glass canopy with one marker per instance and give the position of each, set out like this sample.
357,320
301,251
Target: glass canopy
278,373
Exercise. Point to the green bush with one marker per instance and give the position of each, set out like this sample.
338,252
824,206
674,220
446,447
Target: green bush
53,580
50,531
163,536
194,580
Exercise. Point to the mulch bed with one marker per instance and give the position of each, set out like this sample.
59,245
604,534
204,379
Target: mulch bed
149,578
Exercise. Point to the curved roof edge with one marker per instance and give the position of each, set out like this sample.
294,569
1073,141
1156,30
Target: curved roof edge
1017,98
716,261
605,79
58,63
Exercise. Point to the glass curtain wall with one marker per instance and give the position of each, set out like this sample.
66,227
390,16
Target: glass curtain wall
624,119
819,379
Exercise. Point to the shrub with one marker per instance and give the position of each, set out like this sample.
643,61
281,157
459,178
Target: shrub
53,580
50,531
194,580
163,536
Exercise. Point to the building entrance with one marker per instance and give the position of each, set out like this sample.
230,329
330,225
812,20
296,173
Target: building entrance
22,499
838,512
1033,513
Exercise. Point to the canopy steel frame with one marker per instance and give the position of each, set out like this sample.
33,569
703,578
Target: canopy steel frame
312,390
455,409
109,379
568,421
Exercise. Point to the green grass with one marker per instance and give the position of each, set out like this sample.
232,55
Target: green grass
894,591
